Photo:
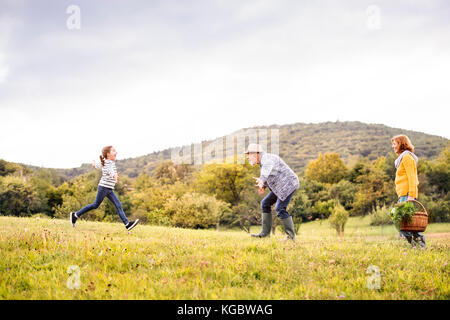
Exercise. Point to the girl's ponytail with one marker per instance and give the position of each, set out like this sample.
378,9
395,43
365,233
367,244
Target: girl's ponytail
104,154
102,160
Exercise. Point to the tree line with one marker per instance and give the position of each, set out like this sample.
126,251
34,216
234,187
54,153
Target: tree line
223,194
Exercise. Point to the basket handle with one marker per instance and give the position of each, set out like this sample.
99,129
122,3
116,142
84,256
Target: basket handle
425,210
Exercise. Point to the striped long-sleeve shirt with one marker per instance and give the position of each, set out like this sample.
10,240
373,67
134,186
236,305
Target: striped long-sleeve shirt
108,172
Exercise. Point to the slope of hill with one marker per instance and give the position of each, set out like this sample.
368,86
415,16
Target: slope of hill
301,142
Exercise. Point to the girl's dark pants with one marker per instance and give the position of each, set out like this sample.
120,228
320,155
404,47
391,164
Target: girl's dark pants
103,193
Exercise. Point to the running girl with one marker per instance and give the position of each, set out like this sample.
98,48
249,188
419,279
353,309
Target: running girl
106,188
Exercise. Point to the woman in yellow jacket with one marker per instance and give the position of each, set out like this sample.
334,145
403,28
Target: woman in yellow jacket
406,181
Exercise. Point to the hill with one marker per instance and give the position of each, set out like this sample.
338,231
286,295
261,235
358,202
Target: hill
301,142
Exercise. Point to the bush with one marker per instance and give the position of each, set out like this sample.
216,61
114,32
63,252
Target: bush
194,210
154,217
345,192
438,210
375,188
338,218
380,216
323,209
327,168
17,197
301,209
80,192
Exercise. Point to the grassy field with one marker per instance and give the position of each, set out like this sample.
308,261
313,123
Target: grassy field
150,262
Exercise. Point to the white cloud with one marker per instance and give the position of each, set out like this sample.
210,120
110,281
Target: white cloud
7,25
3,72
190,73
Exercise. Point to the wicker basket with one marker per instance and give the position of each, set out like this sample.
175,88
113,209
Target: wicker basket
419,221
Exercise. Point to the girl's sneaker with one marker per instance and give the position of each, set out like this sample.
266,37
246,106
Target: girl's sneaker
73,218
132,224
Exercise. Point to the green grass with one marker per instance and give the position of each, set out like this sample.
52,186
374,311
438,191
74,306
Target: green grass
167,263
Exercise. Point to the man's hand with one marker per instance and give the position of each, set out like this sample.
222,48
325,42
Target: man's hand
116,177
410,199
93,164
259,182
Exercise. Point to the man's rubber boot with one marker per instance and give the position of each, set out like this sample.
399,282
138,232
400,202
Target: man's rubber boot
266,226
288,224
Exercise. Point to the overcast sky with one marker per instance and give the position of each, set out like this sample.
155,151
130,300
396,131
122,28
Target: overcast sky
148,75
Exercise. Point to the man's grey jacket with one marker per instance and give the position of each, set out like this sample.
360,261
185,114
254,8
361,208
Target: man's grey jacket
277,175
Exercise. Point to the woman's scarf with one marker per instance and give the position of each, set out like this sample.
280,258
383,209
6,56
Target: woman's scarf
400,157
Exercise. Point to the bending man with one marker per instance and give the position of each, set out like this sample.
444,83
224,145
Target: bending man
282,183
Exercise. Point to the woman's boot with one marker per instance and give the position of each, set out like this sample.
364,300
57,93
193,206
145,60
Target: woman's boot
407,235
420,239
266,225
